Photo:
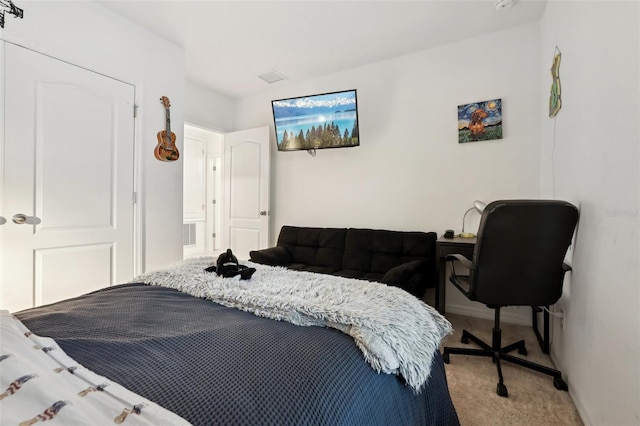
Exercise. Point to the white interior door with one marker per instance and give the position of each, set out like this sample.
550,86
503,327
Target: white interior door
246,206
68,171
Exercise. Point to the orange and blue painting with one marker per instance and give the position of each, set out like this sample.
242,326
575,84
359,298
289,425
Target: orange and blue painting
480,121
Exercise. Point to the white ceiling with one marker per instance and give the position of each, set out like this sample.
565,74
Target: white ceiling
229,43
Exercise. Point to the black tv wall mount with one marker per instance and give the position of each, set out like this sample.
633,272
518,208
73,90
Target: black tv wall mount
7,6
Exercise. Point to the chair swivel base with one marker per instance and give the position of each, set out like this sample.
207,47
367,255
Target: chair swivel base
502,353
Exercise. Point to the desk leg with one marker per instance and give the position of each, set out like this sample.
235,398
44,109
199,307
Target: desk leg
542,340
441,286
545,345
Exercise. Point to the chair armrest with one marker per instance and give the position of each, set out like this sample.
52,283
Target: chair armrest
462,282
273,256
399,275
460,258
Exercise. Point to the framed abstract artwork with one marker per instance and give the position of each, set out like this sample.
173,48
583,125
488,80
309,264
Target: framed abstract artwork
480,121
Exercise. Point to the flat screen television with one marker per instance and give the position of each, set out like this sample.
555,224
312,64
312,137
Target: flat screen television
328,120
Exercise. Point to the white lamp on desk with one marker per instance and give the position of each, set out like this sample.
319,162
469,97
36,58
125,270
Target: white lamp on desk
479,206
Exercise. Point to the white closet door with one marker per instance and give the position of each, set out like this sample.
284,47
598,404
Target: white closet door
68,169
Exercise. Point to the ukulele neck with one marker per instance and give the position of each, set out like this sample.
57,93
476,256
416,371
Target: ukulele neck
168,120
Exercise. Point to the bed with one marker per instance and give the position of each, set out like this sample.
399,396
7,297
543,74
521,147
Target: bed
215,364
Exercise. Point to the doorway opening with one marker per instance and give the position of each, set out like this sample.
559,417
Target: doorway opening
203,188
217,166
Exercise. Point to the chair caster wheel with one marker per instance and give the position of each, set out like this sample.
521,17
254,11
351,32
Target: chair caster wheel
445,358
522,351
502,390
560,384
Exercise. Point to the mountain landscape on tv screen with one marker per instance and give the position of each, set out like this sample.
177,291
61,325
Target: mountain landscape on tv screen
320,121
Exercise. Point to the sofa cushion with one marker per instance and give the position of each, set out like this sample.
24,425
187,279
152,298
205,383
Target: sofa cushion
378,251
312,268
357,250
314,246
360,275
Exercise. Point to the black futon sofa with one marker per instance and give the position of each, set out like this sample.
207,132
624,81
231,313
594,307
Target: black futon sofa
402,259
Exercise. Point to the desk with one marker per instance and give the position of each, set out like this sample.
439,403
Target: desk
445,247
465,247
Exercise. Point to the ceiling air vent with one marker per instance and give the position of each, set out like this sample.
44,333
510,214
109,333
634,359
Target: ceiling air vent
272,77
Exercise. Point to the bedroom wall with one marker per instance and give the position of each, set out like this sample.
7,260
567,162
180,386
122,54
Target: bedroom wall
208,109
410,172
89,35
591,157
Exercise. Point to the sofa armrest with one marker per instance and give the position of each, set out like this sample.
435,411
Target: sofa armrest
273,256
405,274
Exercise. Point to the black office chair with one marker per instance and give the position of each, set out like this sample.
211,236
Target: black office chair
518,260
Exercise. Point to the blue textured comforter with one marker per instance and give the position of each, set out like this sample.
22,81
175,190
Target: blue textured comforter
216,365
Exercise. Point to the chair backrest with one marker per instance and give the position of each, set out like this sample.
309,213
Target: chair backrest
520,249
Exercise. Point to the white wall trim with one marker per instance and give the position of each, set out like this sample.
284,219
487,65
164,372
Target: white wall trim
583,411
139,260
2,212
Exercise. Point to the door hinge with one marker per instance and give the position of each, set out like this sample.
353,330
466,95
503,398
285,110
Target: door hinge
135,198
214,168
213,235
213,201
135,110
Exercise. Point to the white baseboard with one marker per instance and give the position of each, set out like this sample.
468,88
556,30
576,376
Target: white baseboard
582,409
486,313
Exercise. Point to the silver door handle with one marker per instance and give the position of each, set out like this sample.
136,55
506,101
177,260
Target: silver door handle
2,220
263,213
20,219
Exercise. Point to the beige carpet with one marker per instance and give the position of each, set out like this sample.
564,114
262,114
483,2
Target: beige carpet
533,400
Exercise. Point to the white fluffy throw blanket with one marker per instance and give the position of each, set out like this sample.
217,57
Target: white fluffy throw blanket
396,332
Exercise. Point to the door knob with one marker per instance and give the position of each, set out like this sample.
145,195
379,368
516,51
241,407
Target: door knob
2,220
263,213
20,219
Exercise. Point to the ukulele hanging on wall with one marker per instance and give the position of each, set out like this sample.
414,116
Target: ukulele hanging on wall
166,149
